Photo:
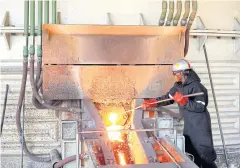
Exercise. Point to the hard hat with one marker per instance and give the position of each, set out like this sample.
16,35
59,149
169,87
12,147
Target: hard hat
181,65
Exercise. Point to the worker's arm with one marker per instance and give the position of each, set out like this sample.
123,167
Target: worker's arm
196,104
168,95
151,103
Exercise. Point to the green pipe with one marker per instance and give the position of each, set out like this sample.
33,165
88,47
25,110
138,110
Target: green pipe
32,27
193,14
186,14
40,10
163,14
46,12
170,14
26,28
178,14
54,11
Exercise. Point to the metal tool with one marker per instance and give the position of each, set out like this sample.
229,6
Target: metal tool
124,130
216,106
160,101
4,108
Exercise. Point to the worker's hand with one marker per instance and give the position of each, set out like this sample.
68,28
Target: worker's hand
150,103
178,98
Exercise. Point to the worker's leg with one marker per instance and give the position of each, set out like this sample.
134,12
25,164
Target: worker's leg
207,165
190,149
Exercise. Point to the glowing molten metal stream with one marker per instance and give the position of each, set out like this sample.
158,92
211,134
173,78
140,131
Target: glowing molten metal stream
122,159
114,135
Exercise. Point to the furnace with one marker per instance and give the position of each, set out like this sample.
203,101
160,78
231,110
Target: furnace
111,69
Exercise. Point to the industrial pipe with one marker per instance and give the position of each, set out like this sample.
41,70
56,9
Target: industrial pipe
23,86
55,157
32,47
70,159
38,97
170,14
186,13
164,11
178,13
39,46
186,42
191,19
193,14
54,11
46,12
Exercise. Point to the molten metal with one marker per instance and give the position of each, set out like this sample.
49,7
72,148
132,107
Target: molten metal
114,136
122,159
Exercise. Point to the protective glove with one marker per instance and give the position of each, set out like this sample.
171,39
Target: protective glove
178,98
146,104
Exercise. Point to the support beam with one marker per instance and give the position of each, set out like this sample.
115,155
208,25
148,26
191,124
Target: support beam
6,35
201,39
109,19
236,27
58,17
142,20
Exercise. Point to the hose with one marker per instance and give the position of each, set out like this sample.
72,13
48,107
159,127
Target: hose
38,97
163,15
186,13
191,19
23,86
193,14
186,42
170,14
18,116
178,14
67,160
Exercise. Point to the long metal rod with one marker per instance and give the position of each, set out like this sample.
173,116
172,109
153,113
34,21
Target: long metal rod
138,107
4,108
216,106
124,130
77,146
214,33
169,154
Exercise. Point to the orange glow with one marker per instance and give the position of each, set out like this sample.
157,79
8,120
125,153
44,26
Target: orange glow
112,134
113,118
122,159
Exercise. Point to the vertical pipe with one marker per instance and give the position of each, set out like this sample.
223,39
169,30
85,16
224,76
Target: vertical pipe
26,28
46,12
178,14
170,14
32,28
163,14
193,14
77,145
216,106
39,45
186,13
54,11
4,108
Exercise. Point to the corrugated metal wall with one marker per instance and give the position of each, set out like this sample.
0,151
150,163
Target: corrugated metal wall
42,126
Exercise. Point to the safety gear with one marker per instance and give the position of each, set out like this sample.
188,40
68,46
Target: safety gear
197,120
150,103
181,65
178,98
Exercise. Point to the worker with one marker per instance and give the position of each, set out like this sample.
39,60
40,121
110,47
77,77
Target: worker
197,122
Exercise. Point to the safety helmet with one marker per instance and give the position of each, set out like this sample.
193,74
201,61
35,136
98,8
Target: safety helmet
181,65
